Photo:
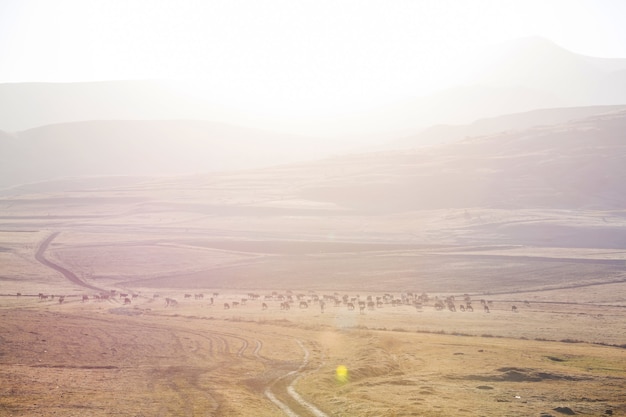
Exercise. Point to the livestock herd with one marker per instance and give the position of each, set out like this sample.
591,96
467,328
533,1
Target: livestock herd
288,299
103,296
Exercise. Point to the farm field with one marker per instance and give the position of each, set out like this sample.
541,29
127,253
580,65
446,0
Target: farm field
104,358
200,296
312,209
561,352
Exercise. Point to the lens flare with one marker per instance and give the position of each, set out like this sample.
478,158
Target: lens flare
341,374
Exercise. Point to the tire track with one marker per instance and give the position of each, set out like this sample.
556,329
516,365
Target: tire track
291,391
282,386
72,277
243,348
257,350
175,333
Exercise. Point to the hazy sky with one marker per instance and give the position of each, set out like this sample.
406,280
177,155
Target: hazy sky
283,54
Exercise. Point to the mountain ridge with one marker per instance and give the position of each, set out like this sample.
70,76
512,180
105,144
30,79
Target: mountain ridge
538,74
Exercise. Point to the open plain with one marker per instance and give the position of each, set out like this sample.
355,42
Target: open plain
312,208
231,300
465,280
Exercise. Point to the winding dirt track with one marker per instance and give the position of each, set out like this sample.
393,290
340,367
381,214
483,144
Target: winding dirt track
283,390
281,387
72,277
275,388
290,390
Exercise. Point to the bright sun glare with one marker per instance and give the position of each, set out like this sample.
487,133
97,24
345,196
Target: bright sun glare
283,57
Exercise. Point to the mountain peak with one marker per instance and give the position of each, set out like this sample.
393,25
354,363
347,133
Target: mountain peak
532,42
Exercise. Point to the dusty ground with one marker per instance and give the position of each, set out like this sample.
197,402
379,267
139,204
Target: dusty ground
146,359
562,351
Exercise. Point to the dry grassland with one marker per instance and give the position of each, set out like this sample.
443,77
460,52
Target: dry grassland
102,359
562,352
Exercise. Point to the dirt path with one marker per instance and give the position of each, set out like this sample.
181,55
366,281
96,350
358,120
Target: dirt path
72,277
291,391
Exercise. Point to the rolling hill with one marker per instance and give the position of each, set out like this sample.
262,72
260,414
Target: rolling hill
576,165
560,185
139,148
448,133
519,76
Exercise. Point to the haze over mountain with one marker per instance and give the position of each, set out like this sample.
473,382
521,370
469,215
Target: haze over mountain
142,148
560,185
576,165
138,128
26,106
540,64
519,76
447,133
175,147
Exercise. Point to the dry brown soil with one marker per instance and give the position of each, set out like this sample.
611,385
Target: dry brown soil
562,352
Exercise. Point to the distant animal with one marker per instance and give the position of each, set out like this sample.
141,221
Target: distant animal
304,304
126,301
486,308
226,306
263,306
514,309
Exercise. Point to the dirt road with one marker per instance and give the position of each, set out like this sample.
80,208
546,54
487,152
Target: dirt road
72,277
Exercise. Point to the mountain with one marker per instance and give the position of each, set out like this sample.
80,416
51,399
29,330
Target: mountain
29,105
559,186
542,65
519,76
447,133
138,148
577,165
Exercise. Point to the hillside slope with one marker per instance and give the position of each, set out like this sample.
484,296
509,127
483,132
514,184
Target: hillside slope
160,147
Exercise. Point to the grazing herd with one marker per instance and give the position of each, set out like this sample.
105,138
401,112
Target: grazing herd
286,300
